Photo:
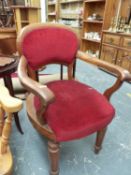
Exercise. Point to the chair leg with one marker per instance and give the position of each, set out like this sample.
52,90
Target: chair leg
53,149
99,140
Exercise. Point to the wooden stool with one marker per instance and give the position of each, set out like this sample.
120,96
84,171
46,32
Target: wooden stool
8,105
8,65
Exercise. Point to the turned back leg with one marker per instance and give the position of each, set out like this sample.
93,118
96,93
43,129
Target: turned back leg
99,140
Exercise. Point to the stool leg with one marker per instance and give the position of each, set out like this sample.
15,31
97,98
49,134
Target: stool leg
8,84
17,122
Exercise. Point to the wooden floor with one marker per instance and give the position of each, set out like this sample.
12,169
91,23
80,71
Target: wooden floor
77,157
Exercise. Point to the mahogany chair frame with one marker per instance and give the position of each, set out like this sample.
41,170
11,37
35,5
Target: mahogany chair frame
27,77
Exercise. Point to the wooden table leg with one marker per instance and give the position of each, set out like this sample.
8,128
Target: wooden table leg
8,84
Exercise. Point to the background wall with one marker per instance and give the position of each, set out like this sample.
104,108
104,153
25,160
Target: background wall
43,10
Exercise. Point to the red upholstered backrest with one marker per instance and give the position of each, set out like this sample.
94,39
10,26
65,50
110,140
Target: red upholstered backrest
47,45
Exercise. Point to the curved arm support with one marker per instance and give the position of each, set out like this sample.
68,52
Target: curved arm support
36,88
122,74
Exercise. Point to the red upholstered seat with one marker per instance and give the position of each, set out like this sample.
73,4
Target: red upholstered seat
78,110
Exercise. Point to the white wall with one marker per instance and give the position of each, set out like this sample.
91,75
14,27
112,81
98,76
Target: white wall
43,10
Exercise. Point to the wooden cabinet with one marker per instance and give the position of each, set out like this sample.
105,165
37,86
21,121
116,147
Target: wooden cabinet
96,17
126,42
7,41
35,3
19,2
66,12
111,39
124,59
108,54
25,15
27,2
70,13
116,49
92,25
52,10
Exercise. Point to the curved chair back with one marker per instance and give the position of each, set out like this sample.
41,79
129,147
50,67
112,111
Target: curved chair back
40,44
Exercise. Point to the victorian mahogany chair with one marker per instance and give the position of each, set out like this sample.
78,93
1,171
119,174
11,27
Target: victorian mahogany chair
8,105
62,110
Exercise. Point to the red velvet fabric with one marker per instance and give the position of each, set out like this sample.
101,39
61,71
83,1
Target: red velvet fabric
14,75
78,110
49,45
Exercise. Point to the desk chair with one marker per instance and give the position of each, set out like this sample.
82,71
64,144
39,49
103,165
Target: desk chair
63,110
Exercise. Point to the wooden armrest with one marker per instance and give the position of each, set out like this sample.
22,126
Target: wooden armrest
32,86
9,103
121,73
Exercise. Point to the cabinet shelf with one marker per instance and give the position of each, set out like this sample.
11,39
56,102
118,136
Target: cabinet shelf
90,56
64,17
53,3
25,22
77,27
52,10
70,16
93,21
95,1
91,40
114,33
24,15
24,7
90,24
71,1
50,14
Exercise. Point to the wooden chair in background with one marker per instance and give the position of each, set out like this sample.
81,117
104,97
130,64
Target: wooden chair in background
8,105
63,110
